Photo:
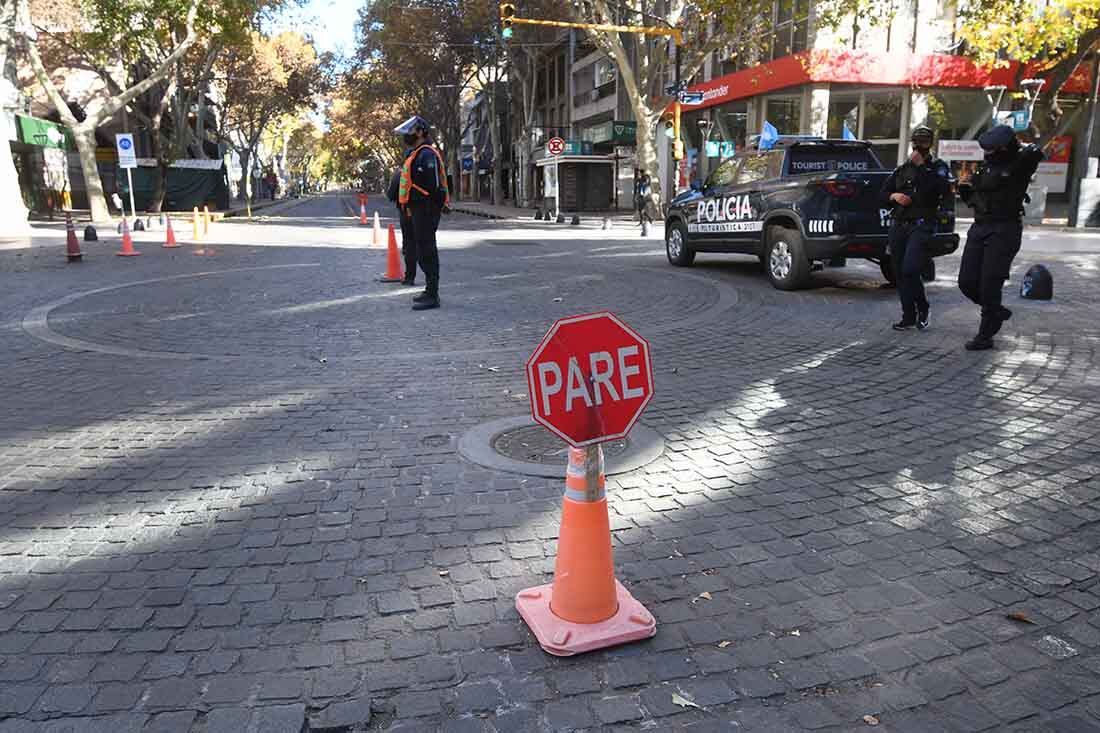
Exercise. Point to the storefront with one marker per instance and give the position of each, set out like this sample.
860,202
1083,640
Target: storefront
617,139
40,152
583,179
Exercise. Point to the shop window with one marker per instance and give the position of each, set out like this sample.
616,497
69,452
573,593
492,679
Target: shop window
785,114
843,111
882,116
887,153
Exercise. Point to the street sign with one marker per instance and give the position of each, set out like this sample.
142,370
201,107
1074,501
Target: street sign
127,157
555,146
691,98
589,379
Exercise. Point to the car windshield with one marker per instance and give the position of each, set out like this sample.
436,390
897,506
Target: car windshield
825,159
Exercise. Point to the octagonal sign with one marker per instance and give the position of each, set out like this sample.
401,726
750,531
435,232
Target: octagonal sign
590,379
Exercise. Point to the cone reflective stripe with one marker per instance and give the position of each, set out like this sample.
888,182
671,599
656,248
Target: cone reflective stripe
363,212
72,246
394,272
127,242
585,608
377,230
170,237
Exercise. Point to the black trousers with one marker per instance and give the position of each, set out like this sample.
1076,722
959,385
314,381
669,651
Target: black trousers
408,245
909,256
986,263
425,221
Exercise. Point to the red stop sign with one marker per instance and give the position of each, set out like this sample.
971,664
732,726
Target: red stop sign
590,379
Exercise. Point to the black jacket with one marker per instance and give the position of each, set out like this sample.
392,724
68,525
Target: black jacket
998,190
427,174
394,189
928,184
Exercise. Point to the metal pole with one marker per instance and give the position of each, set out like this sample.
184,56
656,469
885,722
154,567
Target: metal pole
675,163
557,188
130,178
1082,162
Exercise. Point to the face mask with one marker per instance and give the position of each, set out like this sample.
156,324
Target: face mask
409,138
923,151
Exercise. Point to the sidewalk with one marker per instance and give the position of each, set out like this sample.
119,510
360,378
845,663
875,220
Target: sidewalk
491,211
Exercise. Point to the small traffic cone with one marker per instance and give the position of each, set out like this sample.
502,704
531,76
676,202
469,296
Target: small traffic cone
377,236
585,608
197,234
394,272
72,246
127,242
363,213
170,238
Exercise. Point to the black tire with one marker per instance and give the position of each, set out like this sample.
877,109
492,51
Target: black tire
785,259
928,274
886,265
676,249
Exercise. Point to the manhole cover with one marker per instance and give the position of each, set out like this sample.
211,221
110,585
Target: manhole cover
536,444
518,445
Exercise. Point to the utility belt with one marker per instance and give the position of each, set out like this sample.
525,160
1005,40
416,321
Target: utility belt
925,220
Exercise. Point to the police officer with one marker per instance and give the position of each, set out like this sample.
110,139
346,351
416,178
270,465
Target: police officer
997,193
408,241
422,192
914,191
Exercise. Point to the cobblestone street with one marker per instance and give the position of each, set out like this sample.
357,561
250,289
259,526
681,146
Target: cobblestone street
233,499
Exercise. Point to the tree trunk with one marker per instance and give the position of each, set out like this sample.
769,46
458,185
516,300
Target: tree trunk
97,200
647,157
14,224
494,141
246,175
160,188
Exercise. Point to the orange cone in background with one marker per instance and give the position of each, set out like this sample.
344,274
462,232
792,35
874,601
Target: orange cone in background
363,212
72,246
127,242
394,272
170,238
377,231
196,234
585,608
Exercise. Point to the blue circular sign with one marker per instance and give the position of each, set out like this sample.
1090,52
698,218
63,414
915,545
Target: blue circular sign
125,143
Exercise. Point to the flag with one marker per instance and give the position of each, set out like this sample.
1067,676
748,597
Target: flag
768,136
847,134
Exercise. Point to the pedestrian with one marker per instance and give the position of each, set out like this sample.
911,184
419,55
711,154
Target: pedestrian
997,193
422,192
641,195
915,191
408,241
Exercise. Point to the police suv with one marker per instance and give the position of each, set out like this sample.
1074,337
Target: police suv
802,203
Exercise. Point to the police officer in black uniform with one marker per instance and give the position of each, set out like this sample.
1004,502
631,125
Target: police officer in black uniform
408,241
914,191
997,193
423,191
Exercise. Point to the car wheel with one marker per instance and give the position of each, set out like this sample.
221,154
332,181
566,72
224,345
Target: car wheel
676,248
886,265
785,259
928,274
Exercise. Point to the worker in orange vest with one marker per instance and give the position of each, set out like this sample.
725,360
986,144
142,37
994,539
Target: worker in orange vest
422,193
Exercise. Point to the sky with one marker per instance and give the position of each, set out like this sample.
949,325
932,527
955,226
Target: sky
331,23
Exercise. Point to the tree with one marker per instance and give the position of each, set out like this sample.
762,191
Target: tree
15,223
99,31
1051,41
270,77
644,61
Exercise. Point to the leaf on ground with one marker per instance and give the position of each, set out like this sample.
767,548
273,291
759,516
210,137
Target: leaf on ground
870,720
682,701
1021,617
796,632
702,596
444,573
724,644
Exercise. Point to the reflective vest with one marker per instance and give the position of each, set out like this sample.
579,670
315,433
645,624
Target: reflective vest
407,186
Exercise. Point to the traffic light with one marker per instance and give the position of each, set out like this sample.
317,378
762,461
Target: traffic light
677,149
507,14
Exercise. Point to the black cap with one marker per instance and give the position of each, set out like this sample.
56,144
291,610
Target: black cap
1000,136
923,133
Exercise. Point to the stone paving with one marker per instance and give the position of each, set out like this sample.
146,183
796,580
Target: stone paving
233,500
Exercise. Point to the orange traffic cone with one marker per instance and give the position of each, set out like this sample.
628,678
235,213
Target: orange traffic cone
72,246
363,213
377,236
127,242
394,272
585,608
170,239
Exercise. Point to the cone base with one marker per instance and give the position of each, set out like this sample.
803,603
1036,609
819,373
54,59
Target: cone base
390,279
77,257
564,638
127,254
170,246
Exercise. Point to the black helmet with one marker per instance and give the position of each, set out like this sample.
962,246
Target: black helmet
922,134
1001,136
412,125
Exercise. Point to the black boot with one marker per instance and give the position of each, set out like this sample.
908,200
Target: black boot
923,317
1002,315
984,339
425,296
905,323
431,301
